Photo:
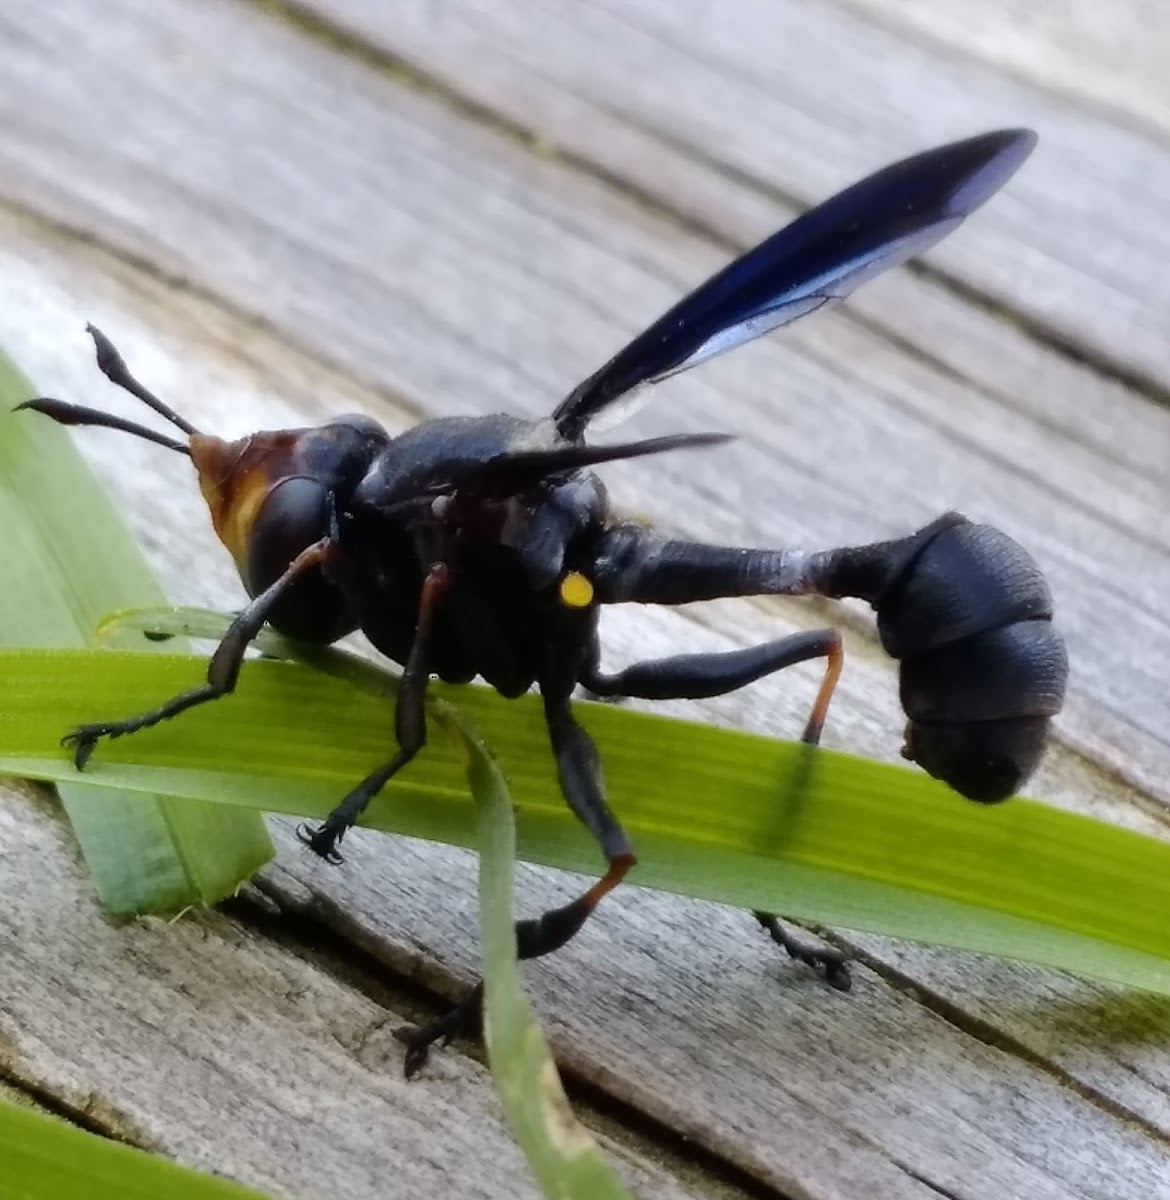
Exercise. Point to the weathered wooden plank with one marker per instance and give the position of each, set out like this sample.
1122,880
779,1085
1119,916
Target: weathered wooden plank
526,273
379,231
793,97
648,1010
203,1039
206,1042
813,1093
1105,55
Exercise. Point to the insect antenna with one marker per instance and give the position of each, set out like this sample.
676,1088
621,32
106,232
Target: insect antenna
76,414
114,368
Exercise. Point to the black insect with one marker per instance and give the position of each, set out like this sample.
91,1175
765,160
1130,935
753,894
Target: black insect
484,546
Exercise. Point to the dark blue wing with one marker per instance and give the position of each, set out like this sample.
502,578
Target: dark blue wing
821,257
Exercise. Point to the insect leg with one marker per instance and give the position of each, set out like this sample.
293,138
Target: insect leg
695,676
534,937
410,728
579,771
223,670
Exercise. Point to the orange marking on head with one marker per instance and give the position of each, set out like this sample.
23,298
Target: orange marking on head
236,477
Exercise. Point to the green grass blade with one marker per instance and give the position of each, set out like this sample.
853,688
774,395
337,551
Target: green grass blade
46,1159
715,813
562,1155
68,560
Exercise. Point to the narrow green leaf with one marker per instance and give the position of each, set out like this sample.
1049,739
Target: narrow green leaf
68,560
714,813
562,1155
44,1158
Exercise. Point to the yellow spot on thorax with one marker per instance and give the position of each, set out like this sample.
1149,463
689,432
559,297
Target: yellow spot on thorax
576,590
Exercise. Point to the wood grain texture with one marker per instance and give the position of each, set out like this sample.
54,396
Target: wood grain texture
497,279
793,98
200,1040
1093,54
271,1061
335,236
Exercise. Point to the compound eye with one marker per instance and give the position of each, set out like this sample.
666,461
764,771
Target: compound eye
294,515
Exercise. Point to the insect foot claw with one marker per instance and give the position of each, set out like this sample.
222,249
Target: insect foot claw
833,965
322,840
829,963
82,741
418,1040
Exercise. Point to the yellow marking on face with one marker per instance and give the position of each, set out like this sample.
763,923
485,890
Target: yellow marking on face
576,590
237,478
250,492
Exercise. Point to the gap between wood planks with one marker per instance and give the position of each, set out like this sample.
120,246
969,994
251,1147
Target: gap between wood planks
282,345
277,906
336,36
849,617
133,268
304,929
807,612
412,991
307,923
251,319
101,1120
128,263
879,351
989,1034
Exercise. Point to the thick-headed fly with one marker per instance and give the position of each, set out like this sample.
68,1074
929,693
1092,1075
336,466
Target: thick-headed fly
485,547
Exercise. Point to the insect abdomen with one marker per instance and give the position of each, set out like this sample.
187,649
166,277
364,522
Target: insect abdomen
983,668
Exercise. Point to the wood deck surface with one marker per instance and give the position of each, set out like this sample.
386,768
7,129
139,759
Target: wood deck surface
281,212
